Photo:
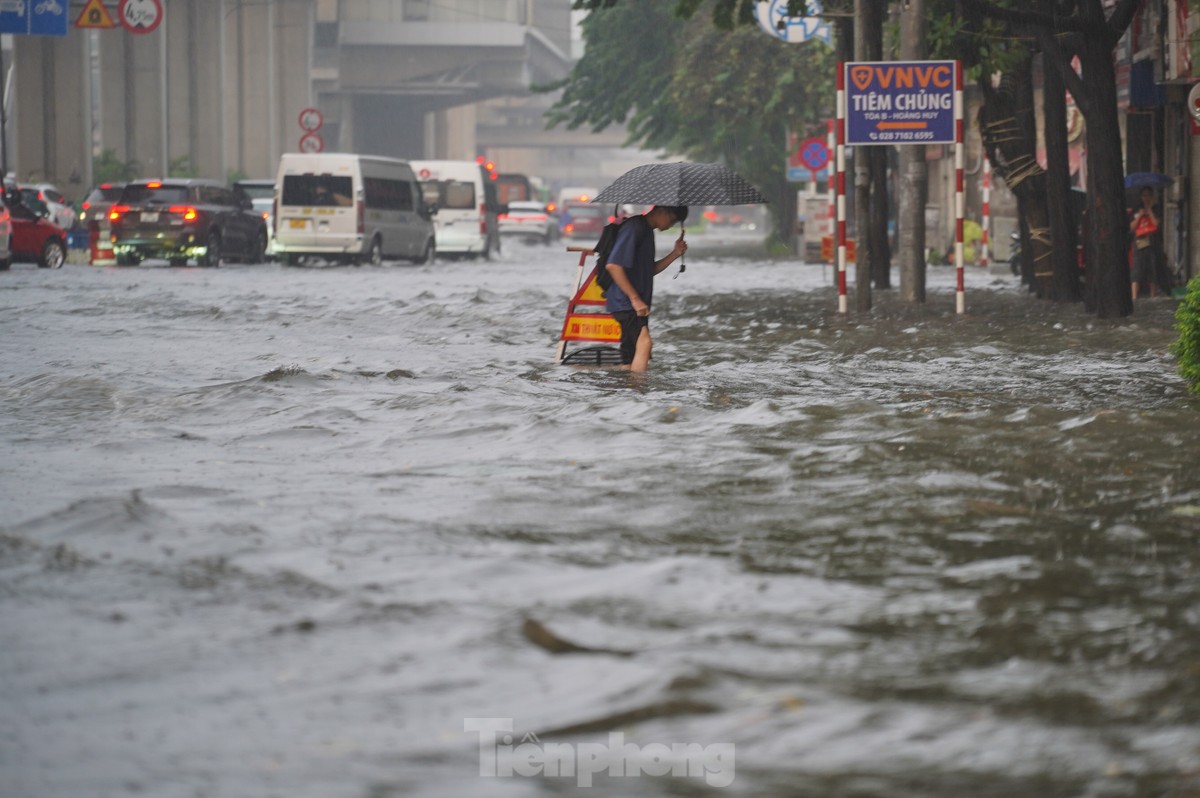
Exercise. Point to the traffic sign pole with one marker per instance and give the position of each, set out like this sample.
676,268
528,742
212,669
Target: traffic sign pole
960,302
840,157
832,192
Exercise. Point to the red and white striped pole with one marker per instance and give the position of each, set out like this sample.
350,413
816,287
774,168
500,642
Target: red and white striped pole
840,158
987,212
829,215
960,295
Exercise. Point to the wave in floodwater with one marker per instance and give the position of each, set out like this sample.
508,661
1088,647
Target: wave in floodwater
271,531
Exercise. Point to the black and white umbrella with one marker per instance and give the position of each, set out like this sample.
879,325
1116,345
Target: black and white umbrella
681,183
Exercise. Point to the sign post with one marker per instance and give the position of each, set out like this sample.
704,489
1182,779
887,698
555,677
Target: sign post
901,102
27,18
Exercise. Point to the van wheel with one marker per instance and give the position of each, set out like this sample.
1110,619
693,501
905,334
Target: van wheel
429,253
374,256
53,254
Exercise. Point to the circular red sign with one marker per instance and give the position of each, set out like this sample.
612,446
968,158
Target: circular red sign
312,142
311,119
140,16
814,153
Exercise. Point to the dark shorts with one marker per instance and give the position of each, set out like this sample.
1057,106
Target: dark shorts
1143,262
631,327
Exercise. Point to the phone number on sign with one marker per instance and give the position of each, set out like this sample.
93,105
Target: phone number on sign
914,135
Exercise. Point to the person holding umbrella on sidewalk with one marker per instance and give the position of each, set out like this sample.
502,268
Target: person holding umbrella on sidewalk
1145,228
633,268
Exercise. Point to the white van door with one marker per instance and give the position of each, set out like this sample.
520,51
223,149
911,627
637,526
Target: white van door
317,210
457,189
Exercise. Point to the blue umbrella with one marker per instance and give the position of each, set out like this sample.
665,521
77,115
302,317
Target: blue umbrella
1151,179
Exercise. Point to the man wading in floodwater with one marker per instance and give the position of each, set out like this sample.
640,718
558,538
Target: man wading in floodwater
633,268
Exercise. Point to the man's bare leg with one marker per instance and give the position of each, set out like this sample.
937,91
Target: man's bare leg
641,356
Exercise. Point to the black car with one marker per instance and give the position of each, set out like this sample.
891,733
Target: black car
185,219
99,202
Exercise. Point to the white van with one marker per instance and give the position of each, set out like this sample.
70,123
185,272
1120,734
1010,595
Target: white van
467,205
352,208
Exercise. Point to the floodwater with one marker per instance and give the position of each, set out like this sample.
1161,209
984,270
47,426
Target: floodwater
287,532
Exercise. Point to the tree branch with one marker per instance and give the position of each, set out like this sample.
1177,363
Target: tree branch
1121,17
1053,51
1035,19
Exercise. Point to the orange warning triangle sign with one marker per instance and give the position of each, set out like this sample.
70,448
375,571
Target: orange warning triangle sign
95,15
589,293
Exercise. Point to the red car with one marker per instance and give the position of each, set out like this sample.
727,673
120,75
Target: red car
34,240
583,221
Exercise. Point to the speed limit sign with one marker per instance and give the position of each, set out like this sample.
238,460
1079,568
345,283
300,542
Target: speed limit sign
312,142
311,120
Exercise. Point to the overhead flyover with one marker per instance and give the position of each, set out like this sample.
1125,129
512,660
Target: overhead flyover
384,77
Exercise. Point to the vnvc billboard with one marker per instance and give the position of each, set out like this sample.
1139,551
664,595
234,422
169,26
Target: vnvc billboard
900,102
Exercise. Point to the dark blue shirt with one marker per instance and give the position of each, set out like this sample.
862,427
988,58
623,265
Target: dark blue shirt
634,249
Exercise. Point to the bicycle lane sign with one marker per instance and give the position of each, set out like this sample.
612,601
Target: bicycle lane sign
34,17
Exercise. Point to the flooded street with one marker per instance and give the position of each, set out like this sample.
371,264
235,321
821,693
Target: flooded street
271,531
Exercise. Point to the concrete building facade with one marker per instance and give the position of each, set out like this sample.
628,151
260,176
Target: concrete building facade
217,89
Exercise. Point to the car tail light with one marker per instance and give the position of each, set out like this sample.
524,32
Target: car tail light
539,217
188,213
482,219
115,212
570,228
86,205
154,184
362,224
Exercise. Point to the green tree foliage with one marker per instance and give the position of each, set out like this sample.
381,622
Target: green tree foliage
182,167
1187,324
108,168
709,93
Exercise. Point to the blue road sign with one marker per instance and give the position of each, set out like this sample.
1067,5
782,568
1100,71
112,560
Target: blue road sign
899,102
802,174
34,17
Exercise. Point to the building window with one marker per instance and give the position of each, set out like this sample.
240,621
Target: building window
325,34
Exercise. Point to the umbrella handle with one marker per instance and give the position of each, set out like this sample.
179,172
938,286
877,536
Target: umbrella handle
682,265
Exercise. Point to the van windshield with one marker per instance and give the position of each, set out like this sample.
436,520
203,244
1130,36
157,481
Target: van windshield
452,194
320,191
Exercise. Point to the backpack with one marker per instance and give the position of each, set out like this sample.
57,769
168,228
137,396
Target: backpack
604,247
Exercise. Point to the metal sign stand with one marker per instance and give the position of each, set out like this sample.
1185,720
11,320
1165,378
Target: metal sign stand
589,325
